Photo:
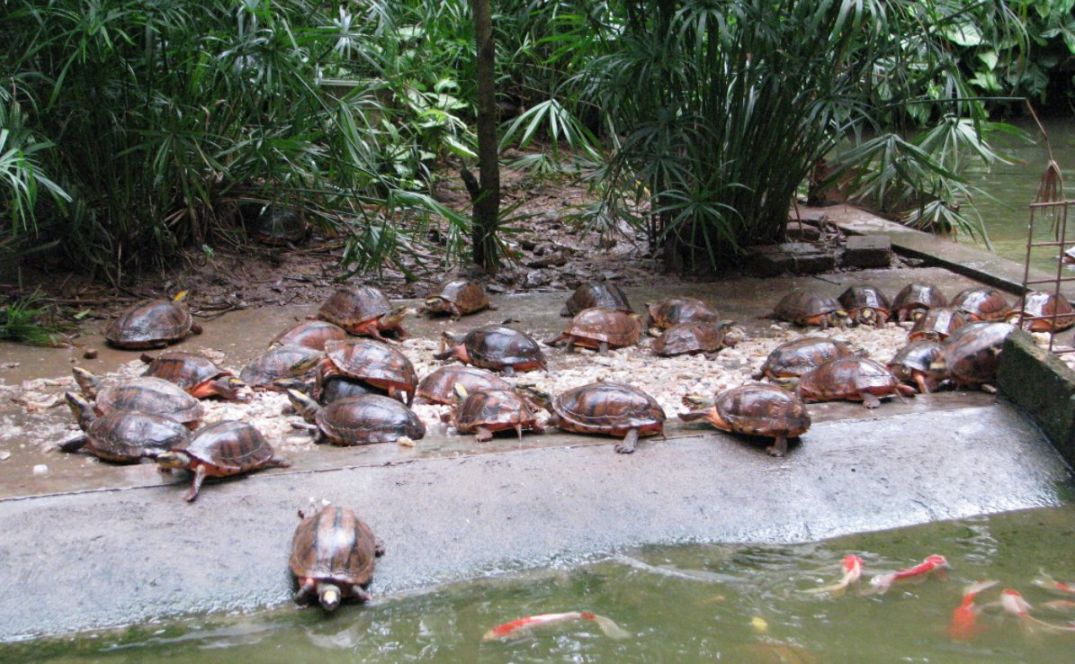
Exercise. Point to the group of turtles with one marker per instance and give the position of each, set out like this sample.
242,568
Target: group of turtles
347,378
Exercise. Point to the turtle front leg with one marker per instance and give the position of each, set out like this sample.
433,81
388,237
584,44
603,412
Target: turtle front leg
361,594
76,444
483,435
923,384
602,348
627,445
779,447
870,401
278,462
306,592
196,485
378,547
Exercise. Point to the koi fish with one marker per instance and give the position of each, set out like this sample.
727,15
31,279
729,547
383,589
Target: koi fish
1043,580
1012,601
882,582
852,566
964,623
522,625
1060,605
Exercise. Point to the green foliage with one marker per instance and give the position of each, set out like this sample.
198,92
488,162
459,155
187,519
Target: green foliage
21,321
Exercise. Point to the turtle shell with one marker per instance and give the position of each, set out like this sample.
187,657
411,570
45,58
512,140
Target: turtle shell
351,307
458,297
677,310
334,546
847,378
229,448
792,359
596,294
592,327
150,395
610,409
124,436
498,346
369,419
277,225
152,324
858,300
439,386
938,323
691,338
806,308
971,355
338,387
495,410
1043,307
917,357
279,363
371,362
311,334
762,410
917,297
982,304
187,370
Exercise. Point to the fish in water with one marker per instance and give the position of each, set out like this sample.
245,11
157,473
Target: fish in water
1060,605
964,624
1012,601
1043,580
524,625
882,582
852,566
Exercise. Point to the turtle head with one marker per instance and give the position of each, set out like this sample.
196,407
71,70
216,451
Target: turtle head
87,382
536,396
303,405
329,596
170,458
461,392
81,409
229,387
841,318
396,316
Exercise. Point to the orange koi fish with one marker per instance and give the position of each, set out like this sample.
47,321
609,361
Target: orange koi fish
522,625
882,582
964,623
1043,580
1013,602
852,566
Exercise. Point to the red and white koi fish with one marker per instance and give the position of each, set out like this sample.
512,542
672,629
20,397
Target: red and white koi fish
964,623
1013,602
1043,580
882,582
523,625
852,566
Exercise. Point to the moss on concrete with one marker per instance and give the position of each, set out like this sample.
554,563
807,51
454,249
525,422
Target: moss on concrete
1041,384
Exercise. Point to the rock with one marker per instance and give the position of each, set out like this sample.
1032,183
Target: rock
790,257
550,260
868,251
536,278
41,469
90,354
4,455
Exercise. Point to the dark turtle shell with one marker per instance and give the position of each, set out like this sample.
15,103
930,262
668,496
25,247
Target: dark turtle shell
371,362
197,374
152,324
276,225
497,347
866,305
762,410
596,294
229,448
150,395
337,387
311,334
334,546
938,323
982,304
126,436
457,297
792,359
494,410
692,338
915,299
851,379
439,386
351,307
369,419
591,328
279,364
806,308
678,310
970,356
912,364
610,409
1043,307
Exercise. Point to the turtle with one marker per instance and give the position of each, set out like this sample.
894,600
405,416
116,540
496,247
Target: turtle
851,379
674,311
606,409
439,386
333,554
1045,312
371,362
495,347
152,324
485,412
121,436
222,449
757,409
310,333
195,373
335,388
458,297
970,356
980,303
280,367
275,225
600,329
806,308
364,311
596,294
937,323
791,359
146,394
866,305
373,418
912,365
694,338
915,299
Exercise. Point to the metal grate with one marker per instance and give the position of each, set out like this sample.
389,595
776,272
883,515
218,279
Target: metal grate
1057,213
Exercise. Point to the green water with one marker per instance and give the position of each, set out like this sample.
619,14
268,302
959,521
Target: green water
695,604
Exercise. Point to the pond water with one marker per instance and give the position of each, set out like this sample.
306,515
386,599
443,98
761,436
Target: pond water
682,604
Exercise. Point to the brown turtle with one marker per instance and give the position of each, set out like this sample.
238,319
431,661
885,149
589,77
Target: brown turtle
280,367
370,362
337,387
359,420
276,225
915,299
791,359
439,386
220,450
937,324
600,329
757,410
806,308
1045,312
144,394
912,365
606,409
970,356
121,436
457,297
197,374
311,334
485,412
980,303
495,347
333,554
363,311
152,324
596,294
677,310
866,305
694,338
851,379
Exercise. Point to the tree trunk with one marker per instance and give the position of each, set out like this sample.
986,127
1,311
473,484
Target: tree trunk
486,197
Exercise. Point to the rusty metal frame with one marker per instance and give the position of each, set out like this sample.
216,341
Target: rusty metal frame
1058,212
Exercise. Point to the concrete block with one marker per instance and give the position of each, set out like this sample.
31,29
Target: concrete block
868,251
1043,386
790,257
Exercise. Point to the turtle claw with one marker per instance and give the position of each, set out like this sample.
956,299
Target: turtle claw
628,444
870,401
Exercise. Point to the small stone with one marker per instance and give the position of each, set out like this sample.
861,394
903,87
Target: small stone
4,455
41,469
90,354
405,441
